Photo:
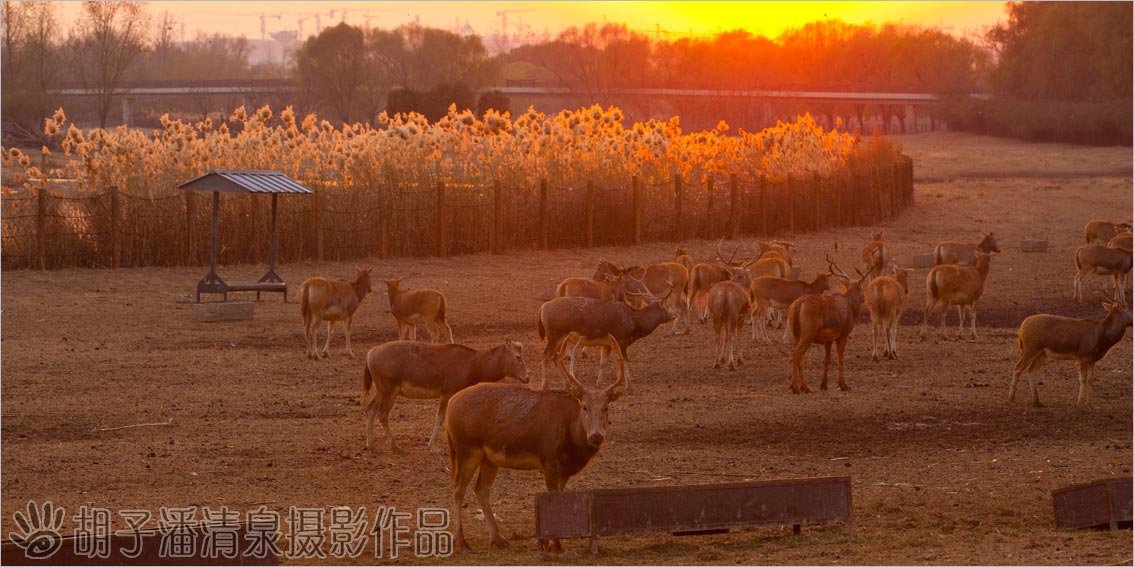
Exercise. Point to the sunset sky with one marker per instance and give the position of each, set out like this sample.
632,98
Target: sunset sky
767,18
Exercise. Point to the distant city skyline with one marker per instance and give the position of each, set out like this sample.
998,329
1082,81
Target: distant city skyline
537,20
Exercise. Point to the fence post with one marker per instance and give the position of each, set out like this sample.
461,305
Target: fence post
589,203
41,227
636,208
678,189
442,246
791,205
837,181
543,214
876,194
709,208
497,244
115,235
190,212
317,203
815,183
383,222
732,199
764,206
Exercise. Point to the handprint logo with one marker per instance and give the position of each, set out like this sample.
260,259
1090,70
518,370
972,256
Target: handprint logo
40,530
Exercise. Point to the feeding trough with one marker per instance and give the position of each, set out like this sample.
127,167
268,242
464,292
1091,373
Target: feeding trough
244,181
1102,503
692,509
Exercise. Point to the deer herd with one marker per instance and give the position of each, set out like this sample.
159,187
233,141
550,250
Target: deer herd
490,425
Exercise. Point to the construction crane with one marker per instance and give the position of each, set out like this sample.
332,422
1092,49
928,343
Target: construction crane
263,21
503,15
369,15
300,21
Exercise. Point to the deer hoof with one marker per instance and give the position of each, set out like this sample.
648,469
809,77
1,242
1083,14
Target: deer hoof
501,543
552,546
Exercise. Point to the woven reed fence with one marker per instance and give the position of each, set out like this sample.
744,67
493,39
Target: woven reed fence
112,229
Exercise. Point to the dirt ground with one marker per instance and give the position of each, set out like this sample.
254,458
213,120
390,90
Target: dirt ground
944,469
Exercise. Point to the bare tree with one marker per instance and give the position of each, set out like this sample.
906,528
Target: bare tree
107,40
31,66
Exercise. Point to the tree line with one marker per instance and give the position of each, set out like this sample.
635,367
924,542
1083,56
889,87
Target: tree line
1055,70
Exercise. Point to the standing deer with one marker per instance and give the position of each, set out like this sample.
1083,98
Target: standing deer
592,321
494,426
964,254
773,249
1062,338
1122,241
705,275
681,256
1100,231
1095,259
730,304
423,371
886,299
778,293
333,301
949,285
827,319
876,255
418,306
655,279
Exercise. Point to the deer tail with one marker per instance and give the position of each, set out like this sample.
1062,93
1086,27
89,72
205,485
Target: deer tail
539,326
367,381
305,304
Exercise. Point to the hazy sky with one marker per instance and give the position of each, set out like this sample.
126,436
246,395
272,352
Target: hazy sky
767,18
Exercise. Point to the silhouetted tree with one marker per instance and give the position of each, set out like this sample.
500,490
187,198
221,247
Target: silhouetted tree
107,41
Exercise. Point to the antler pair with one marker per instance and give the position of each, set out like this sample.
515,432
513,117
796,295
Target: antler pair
615,350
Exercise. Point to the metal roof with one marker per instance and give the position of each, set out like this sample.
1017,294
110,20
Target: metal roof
245,181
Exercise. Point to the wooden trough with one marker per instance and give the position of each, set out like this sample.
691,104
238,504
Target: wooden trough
692,509
1033,246
1102,503
145,547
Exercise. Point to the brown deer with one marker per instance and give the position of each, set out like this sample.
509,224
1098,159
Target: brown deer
592,321
681,256
333,301
584,287
707,274
657,280
778,293
418,306
964,254
876,256
1095,259
494,426
423,371
826,319
730,304
1062,338
1100,231
886,299
1122,241
775,248
949,285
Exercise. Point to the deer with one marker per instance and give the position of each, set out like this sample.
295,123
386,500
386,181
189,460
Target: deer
1122,241
423,371
876,255
1063,338
585,287
681,256
886,298
1101,231
333,301
418,306
656,279
592,320
947,285
492,426
707,274
1095,259
778,293
826,319
730,303
775,248
964,254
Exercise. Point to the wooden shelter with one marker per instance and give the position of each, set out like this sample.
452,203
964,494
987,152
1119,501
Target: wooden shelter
244,181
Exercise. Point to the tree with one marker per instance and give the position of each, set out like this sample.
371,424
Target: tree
107,41
593,60
31,66
333,63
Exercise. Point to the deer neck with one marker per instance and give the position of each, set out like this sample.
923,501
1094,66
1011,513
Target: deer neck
1112,331
359,291
485,366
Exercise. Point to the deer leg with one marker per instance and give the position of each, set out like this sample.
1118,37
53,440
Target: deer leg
874,338
841,347
1078,288
972,319
961,309
737,330
894,336
464,464
728,341
799,385
1033,368
787,334
554,482
327,345
371,411
1084,374
449,330
437,425
384,407
484,495
311,333
604,354
826,365
346,331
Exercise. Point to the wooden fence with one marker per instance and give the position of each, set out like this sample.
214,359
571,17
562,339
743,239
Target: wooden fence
115,229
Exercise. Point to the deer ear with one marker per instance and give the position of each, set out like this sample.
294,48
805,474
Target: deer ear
614,395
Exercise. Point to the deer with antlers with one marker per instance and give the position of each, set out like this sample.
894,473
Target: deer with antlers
333,301
657,280
949,285
707,274
495,426
963,253
592,321
876,256
419,306
826,319
778,293
1095,259
1101,231
886,300
424,371
681,256
730,303
1062,338
775,248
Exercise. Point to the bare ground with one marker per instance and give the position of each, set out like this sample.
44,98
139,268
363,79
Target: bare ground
945,470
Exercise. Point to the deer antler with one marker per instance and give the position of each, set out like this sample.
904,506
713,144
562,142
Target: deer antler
835,270
616,350
567,375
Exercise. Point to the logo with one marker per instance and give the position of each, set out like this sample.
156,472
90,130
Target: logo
39,535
